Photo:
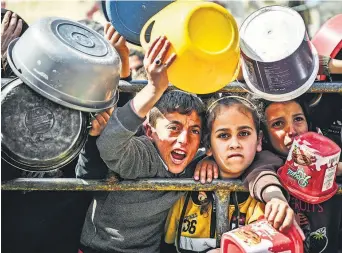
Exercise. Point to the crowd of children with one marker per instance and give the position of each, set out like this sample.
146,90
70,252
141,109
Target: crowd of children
159,134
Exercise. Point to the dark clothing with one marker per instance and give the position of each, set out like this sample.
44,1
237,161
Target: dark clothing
320,223
327,116
40,221
125,221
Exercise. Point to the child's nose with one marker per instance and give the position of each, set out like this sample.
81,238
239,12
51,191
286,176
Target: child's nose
183,137
234,143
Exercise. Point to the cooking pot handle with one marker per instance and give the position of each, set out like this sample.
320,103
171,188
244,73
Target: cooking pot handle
143,41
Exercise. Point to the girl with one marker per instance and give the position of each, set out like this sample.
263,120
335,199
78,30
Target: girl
233,138
282,122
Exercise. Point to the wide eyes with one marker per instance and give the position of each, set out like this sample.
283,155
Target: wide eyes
243,133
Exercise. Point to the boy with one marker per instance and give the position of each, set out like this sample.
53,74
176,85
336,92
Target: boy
133,221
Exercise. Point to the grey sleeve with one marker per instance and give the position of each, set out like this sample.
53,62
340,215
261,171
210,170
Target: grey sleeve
127,155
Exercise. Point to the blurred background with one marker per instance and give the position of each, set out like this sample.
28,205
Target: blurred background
314,12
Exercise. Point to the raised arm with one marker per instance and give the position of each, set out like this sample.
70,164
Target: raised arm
129,156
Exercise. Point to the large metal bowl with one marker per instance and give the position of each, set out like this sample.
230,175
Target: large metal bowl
37,134
67,63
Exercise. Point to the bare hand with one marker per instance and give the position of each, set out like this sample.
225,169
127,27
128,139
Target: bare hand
205,170
120,45
10,29
156,65
279,214
100,122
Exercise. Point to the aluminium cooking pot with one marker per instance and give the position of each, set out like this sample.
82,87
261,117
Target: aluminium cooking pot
36,133
68,63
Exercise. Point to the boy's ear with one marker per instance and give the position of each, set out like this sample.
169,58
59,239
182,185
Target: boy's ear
259,144
148,130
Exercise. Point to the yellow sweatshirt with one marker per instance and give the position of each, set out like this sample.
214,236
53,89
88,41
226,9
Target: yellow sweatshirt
199,223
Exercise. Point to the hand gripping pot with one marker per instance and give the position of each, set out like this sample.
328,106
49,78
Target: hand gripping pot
310,169
68,63
279,62
205,38
37,134
261,237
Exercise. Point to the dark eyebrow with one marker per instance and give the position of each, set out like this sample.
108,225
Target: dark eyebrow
239,128
175,122
245,127
298,114
198,126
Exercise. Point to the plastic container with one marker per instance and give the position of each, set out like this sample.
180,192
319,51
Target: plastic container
279,62
261,237
205,37
310,169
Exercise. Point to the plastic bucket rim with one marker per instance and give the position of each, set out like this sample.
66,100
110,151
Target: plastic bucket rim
290,95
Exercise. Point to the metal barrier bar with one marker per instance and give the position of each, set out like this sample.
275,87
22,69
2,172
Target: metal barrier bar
222,189
154,184
237,87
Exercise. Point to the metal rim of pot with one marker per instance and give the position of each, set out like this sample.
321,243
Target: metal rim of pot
77,145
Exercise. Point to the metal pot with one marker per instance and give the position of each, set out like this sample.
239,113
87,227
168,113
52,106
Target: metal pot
37,134
68,63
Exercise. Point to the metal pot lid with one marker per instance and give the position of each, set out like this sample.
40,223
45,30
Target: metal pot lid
129,17
70,64
37,134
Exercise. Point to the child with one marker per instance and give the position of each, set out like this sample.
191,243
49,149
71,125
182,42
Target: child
233,139
320,222
133,221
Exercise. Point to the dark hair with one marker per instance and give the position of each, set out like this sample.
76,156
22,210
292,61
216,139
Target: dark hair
140,54
177,101
215,106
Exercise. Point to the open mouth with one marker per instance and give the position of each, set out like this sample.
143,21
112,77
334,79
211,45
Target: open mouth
178,156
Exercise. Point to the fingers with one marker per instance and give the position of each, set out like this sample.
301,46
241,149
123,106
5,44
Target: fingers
13,22
101,119
197,171
156,49
18,29
151,47
170,60
268,209
163,52
106,27
273,212
216,171
288,221
209,173
109,33
203,174
6,20
280,216
115,38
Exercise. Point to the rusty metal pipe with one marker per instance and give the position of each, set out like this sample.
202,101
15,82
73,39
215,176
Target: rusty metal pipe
154,184
73,184
235,87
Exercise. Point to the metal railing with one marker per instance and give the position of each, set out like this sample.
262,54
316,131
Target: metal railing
221,188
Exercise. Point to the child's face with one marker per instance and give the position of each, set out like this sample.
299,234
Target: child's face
234,140
284,121
177,138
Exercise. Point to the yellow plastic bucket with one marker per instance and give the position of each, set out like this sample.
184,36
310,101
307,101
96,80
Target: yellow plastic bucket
205,37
